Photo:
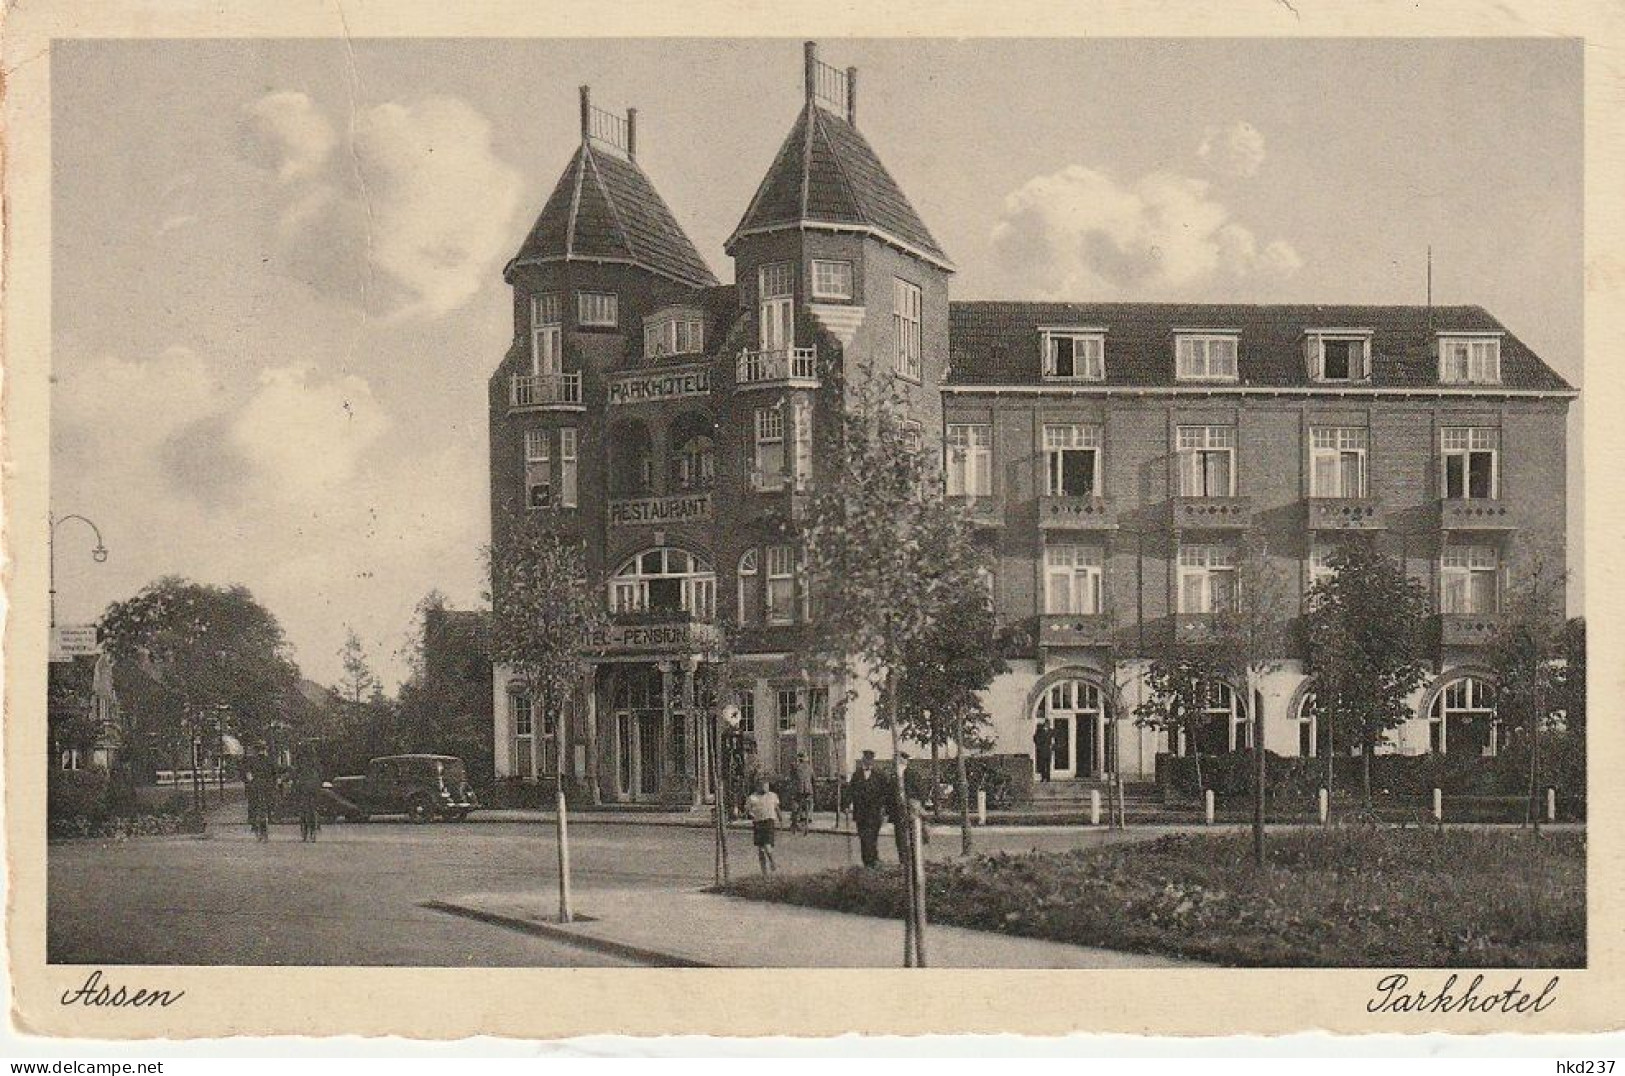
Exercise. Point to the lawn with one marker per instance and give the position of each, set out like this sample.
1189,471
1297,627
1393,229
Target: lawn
1353,896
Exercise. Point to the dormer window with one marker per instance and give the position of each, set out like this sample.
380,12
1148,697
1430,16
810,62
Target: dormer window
1470,358
1074,354
673,332
1204,355
1338,354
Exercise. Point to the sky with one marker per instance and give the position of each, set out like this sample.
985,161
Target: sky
277,266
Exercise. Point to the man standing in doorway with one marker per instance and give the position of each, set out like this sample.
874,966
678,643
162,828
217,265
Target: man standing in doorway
1043,748
867,793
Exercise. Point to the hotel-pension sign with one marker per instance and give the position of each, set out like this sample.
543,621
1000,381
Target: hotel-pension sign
661,385
652,511
677,635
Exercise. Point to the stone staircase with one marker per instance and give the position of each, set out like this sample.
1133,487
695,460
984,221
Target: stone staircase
1140,798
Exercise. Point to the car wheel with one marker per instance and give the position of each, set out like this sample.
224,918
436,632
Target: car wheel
419,812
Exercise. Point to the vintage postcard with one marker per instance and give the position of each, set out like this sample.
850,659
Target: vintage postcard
1058,519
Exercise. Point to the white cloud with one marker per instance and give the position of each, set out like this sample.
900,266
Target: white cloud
1236,150
291,134
307,437
1084,235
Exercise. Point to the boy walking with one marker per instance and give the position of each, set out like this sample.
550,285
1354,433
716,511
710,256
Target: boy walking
763,808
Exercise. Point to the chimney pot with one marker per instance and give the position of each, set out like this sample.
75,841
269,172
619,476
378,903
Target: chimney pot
852,96
586,113
810,50
632,134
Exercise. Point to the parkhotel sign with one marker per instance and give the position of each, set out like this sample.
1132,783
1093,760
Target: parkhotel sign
653,511
672,384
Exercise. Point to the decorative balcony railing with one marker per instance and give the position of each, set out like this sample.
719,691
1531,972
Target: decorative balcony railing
1346,514
1468,629
1474,515
1212,513
545,390
797,366
1075,513
1074,629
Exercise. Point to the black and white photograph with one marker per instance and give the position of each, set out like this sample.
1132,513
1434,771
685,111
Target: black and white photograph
816,501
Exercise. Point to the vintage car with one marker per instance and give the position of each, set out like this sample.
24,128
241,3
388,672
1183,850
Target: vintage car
422,787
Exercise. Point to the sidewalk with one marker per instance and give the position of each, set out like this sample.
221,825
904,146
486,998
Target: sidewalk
690,928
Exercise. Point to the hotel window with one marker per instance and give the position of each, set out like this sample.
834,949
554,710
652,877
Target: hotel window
781,584
1320,563
767,473
522,718
598,309
1072,461
538,469
567,467
665,581
1337,461
818,709
746,701
546,334
673,334
970,461
1467,360
1469,580
907,314
1224,711
1207,461
1207,578
1206,357
1340,356
1462,719
776,306
790,703
696,463
1306,726
1470,462
831,280
1075,356
749,595
1072,579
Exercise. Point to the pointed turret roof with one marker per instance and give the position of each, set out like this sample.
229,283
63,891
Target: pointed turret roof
826,173
605,209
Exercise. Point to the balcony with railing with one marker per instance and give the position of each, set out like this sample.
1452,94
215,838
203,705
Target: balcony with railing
528,391
1346,514
1074,629
1212,513
1193,628
788,367
1468,629
1076,513
1475,514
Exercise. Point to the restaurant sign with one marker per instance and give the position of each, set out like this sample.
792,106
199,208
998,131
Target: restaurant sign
652,511
661,385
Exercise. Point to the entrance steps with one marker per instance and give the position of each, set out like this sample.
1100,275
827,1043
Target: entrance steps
1075,794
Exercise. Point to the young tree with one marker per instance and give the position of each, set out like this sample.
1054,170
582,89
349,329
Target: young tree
1524,654
1249,639
1179,682
1367,632
546,610
360,721
887,558
939,698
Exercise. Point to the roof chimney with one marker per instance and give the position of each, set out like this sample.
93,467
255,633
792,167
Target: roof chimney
631,134
852,96
810,57
586,113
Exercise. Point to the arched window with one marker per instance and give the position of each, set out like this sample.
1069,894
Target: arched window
1075,712
1307,738
750,596
1462,718
665,581
693,464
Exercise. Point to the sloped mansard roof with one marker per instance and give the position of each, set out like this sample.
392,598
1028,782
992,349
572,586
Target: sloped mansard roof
604,208
827,173
998,343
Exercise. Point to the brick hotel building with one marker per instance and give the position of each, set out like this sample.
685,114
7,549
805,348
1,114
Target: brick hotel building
1113,454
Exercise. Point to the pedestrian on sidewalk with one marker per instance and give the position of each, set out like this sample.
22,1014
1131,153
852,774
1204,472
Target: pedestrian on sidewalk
802,808
867,793
259,786
763,808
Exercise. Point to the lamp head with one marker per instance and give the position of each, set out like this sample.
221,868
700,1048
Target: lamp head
99,554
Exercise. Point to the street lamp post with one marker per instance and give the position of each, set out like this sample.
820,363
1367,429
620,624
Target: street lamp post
727,730
98,554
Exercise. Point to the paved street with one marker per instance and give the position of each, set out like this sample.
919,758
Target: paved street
355,896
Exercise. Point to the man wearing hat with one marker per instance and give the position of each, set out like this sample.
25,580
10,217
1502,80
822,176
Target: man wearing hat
867,792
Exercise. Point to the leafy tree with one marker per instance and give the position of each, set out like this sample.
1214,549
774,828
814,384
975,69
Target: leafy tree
70,708
216,650
445,703
939,697
887,557
546,610
1179,681
1569,678
1367,632
1524,653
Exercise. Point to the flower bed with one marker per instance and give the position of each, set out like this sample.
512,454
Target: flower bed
1356,896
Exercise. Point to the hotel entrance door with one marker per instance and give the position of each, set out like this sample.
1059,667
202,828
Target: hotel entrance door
638,702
